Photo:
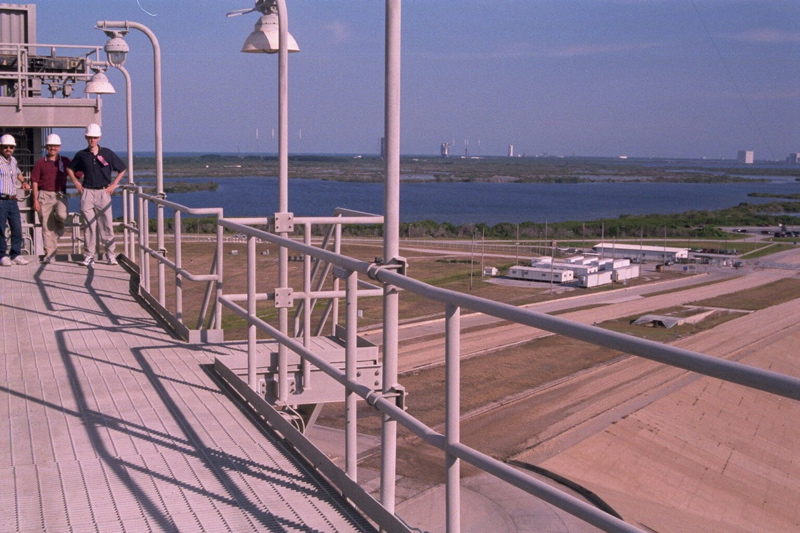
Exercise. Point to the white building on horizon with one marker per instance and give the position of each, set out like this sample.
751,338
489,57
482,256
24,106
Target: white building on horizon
638,252
746,156
587,271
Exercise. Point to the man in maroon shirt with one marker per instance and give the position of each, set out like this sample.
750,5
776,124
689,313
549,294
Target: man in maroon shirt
49,179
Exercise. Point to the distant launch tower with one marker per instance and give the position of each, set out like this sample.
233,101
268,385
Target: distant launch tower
445,149
510,150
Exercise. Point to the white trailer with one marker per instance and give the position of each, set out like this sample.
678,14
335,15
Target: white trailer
541,274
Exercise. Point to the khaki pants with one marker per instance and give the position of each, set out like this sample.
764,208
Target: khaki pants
96,209
54,213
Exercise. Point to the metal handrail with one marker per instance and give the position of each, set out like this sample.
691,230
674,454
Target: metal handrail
244,305
176,266
748,376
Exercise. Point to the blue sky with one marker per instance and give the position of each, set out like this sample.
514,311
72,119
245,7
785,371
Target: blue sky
642,78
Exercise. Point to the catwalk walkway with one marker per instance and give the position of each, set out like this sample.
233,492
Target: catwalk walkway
111,424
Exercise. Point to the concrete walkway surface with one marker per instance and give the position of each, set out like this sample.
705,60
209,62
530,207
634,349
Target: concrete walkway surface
111,424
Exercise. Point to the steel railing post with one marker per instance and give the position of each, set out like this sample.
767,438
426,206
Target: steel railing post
337,249
351,362
178,264
145,243
252,379
307,306
453,414
219,272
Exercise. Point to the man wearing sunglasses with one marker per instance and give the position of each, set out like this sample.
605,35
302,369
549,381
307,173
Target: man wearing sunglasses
9,208
97,164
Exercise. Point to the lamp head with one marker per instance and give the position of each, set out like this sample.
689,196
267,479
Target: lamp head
99,84
116,48
265,37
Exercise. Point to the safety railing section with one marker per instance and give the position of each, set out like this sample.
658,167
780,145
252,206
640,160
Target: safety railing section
139,250
455,452
136,225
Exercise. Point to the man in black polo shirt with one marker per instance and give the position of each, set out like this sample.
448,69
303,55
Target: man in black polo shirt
97,164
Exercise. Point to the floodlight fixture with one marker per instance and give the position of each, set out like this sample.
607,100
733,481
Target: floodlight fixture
116,48
265,37
99,84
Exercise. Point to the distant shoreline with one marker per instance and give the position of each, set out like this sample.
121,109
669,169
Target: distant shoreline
455,169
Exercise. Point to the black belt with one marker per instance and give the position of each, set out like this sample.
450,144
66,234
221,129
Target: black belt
7,197
96,188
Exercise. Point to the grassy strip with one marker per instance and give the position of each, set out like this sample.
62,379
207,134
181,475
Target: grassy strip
774,293
767,250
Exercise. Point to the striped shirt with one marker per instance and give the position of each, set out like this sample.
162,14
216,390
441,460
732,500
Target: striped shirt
8,176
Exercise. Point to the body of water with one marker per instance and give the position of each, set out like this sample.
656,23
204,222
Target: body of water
489,203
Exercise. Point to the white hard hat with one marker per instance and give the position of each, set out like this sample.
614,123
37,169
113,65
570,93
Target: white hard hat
8,140
93,130
53,140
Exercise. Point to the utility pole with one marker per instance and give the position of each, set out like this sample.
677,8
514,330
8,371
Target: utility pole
472,261
483,249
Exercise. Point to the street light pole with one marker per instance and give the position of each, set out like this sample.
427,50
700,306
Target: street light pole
263,40
127,196
126,25
391,246
283,187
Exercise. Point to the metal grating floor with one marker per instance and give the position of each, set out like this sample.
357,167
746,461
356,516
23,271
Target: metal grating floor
110,424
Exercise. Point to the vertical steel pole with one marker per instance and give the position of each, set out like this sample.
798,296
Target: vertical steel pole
391,245
251,312
145,231
283,188
125,25
453,414
337,249
219,272
307,306
179,265
143,221
350,355
127,196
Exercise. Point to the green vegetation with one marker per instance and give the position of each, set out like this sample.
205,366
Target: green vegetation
757,298
767,250
688,225
773,195
171,186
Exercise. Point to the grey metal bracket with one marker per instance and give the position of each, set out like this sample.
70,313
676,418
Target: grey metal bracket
398,392
283,222
398,264
284,297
